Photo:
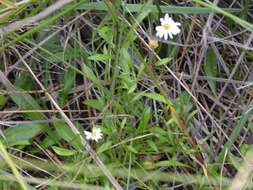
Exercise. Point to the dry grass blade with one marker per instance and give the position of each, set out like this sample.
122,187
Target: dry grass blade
39,111
74,129
244,172
18,24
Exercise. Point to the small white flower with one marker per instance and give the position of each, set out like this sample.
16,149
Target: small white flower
94,135
168,27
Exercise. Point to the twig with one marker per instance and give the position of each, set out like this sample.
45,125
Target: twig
62,120
38,111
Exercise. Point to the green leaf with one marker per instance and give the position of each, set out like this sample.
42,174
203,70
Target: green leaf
68,81
165,9
63,151
104,146
67,134
131,149
191,115
144,121
210,68
38,27
172,162
89,73
164,61
106,33
3,100
236,131
95,103
251,127
157,97
225,12
235,161
99,57
21,133
152,145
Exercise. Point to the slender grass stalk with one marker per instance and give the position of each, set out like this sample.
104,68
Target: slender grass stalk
238,20
7,158
100,6
40,26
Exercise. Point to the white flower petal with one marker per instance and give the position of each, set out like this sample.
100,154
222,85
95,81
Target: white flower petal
170,34
95,135
87,134
158,28
166,36
164,32
166,17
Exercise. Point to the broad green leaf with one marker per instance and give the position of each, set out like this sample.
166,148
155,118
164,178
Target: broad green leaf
95,103
99,57
26,102
210,68
67,134
164,61
89,73
63,151
21,133
157,97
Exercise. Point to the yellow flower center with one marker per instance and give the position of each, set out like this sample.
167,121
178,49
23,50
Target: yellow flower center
153,43
166,26
93,134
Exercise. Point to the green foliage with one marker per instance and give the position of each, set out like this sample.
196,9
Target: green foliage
22,133
63,151
165,9
98,64
3,100
210,68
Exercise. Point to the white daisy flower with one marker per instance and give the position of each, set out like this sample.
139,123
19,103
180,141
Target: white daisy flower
94,135
168,27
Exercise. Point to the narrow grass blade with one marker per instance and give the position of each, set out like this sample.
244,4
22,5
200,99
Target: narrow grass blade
7,158
210,68
7,4
40,26
226,13
100,6
236,132
243,174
